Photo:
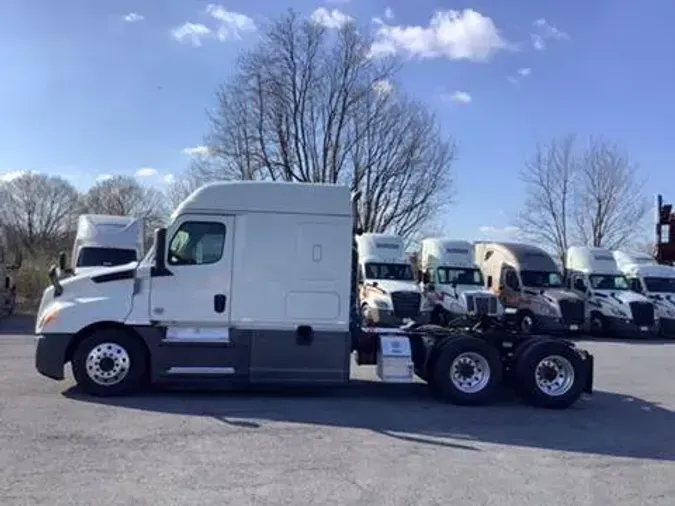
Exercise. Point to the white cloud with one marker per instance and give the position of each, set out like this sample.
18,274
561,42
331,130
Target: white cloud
231,25
104,177
11,175
543,30
508,233
169,178
146,172
460,97
198,151
132,17
389,13
524,71
465,35
383,86
330,19
191,32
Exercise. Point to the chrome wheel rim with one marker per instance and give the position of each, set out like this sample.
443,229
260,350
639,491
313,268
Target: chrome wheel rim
470,372
107,364
554,375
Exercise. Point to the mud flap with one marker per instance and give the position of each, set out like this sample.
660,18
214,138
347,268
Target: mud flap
590,370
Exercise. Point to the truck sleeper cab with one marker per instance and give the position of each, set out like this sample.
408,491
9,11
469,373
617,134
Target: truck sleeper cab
613,309
448,266
389,295
528,282
654,281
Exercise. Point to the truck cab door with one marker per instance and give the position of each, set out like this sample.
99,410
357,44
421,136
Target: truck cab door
195,290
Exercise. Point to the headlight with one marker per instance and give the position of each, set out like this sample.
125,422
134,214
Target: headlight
617,312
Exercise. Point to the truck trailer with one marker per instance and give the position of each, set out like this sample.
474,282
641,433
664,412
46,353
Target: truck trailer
272,300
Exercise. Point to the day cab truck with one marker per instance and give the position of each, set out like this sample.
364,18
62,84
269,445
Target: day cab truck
614,309
104,240
388,293
447,266
528,282
654,281
272,300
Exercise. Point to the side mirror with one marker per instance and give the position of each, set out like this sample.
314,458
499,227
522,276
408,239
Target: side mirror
160,251
62,261
6,282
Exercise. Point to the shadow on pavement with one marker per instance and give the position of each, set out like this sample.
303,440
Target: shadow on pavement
17,324
608,424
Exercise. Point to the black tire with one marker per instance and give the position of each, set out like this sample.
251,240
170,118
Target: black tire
447,389
526,370
598,324
109,341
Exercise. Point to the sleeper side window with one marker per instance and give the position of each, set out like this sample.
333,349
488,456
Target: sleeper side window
197,243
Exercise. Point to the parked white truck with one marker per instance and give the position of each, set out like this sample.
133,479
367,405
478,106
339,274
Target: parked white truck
527,280
104,240
447,265
272,300
654,281
613,308
389,294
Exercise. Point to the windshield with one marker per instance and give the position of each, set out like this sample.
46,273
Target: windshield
398,272
541,279
449,275
663,285
105,257
608,282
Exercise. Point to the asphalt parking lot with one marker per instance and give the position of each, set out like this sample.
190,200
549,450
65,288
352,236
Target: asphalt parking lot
371,444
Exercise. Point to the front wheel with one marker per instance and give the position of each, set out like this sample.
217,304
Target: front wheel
550,374
468,372
110,362
526,323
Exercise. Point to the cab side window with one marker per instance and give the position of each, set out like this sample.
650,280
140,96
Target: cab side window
197,243
511,279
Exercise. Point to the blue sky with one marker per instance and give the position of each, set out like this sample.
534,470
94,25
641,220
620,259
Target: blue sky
88,89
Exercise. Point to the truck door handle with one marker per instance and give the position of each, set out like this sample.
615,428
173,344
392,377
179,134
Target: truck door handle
219,302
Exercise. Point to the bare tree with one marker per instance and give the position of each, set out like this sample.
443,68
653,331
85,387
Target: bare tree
610,205
38,211
549,179
124,196
589,197
309,105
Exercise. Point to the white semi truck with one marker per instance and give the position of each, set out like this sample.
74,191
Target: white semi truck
389,294
272,300
105,241
613,308
654,281
447,265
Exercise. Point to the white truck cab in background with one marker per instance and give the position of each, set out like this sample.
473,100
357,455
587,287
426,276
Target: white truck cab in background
448,266
613,308
106,241
389,294
656,282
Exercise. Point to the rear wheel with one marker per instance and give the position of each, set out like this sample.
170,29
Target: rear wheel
468,371
550,374
110,362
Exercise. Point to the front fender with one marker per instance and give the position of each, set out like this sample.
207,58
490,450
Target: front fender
71,316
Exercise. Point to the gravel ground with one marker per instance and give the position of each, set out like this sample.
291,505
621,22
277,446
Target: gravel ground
370,444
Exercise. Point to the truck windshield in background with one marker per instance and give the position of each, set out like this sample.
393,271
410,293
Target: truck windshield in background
608,282
663,285
449,275
397,272
105,257
541,279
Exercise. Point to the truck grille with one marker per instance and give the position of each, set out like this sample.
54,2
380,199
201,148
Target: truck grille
573,311
643,313
406,304
481,304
